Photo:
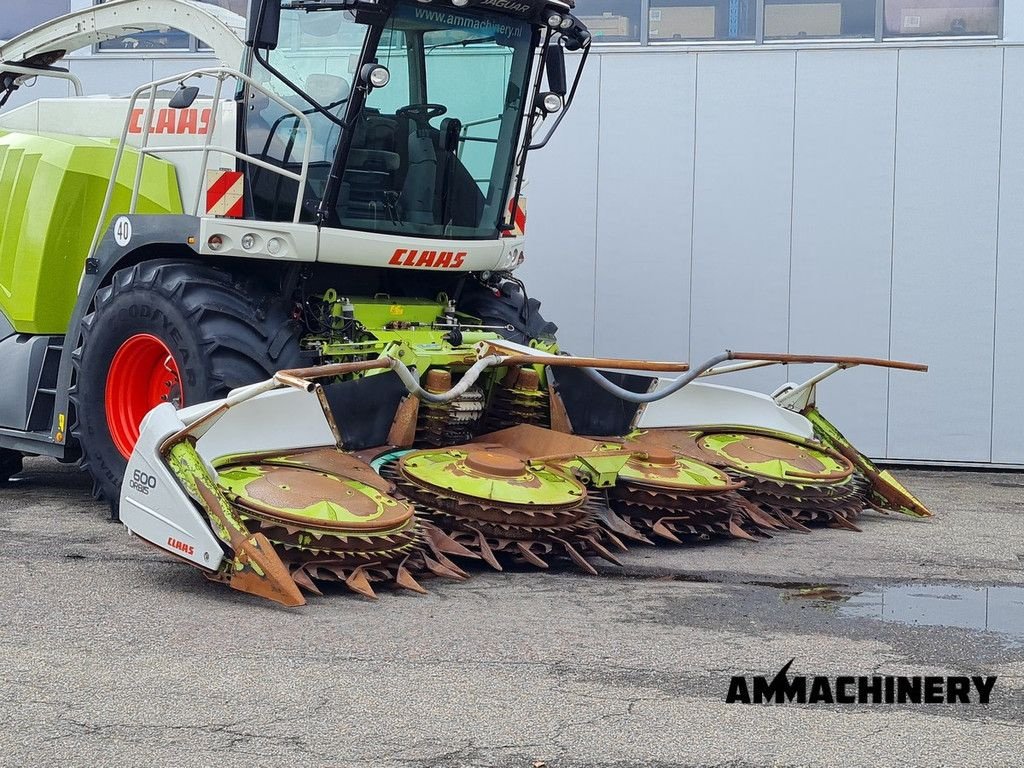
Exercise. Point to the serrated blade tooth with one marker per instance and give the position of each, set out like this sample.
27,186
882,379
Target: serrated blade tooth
529,555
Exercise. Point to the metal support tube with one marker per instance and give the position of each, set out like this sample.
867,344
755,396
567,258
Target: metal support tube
226,151
304,378
722,369
34,72
795,392
147,126
204,165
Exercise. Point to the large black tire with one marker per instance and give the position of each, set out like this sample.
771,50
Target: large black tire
221,332
10,464
508,307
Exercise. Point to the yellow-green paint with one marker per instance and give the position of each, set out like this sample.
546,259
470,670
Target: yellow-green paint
51,195
187,465
236,482
780,469
601,469
447,471
886,491
685,472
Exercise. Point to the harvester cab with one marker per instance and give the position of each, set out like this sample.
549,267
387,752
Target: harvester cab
420,131
290,346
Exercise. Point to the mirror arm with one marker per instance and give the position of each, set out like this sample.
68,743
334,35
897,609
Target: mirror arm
568,101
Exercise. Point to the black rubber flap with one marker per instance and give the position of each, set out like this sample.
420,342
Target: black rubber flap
592,410
364,408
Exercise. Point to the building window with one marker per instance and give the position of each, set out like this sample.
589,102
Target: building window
671,20
171,39
611,21
21,17
917,18
799,19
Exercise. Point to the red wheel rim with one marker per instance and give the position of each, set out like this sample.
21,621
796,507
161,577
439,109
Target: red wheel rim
142,375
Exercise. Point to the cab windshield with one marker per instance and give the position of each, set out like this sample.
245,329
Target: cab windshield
431,153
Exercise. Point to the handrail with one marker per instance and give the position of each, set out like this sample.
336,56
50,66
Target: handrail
36,72
207,148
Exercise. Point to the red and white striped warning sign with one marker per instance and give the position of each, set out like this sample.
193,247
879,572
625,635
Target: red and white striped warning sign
224,194
518,214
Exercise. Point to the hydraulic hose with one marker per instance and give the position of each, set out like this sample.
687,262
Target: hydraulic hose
651,397
412,382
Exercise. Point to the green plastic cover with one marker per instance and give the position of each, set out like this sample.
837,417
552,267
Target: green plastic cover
51,193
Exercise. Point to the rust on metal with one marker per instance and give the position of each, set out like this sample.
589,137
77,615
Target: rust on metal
328,460
438,380
405,580
403,428
758,449
532,442
517,399
283,488
302,376
357,582
499,521
512,356
559,414
259,571
495,464
609,363
328,412
788,359
656,456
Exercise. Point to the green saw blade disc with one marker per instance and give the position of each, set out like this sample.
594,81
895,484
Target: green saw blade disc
490,475
775,458
664,468
313,499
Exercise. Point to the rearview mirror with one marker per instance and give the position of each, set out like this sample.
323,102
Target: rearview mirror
184,97
264,24
555,68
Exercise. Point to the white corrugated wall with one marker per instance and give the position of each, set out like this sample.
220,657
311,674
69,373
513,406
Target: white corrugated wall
864,200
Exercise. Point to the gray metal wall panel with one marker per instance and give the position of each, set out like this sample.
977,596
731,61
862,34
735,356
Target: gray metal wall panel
561,246
944,248
739,294
169,67
1013,21
109,76
842,228
1007,413
645,200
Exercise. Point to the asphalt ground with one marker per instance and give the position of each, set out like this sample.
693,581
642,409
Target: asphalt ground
112,654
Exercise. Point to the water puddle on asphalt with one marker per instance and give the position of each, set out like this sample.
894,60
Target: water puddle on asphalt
988,609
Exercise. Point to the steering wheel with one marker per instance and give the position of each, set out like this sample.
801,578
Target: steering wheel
422,113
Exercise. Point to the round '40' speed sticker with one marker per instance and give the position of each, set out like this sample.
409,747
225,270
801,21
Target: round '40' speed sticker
123,231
